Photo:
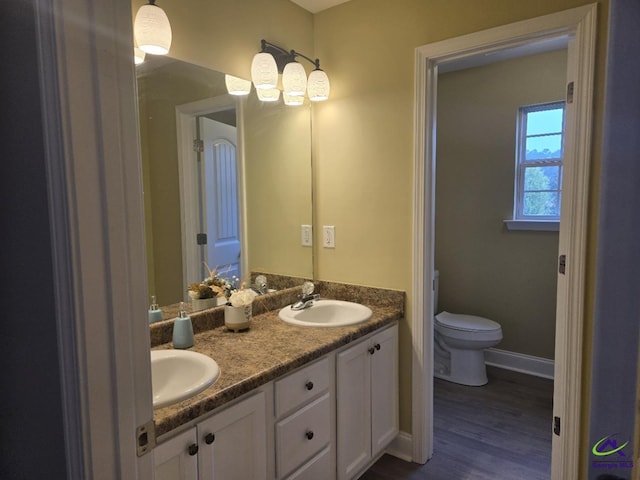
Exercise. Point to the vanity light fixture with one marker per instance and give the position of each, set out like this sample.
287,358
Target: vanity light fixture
237,86
138,56
268,94
273,59
293,100
152,30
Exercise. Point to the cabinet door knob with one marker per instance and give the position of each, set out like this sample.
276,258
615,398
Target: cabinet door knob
309,434
209,438
372,350
377,345
193,449
309,385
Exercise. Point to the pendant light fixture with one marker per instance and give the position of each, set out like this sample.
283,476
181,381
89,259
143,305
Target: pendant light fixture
294,79
272,60
152,29
318,87
237,86
264,70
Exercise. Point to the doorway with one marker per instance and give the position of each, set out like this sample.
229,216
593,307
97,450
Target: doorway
579,26
212,204
218,212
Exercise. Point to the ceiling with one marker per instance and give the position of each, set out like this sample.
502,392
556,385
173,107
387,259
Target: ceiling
315,6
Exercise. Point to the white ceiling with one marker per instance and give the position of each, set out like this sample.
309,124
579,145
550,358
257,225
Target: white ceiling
315,6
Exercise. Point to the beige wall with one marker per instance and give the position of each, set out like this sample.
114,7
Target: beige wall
486,270
363,138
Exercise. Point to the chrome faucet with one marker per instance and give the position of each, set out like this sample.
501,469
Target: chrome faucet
305,301
306,298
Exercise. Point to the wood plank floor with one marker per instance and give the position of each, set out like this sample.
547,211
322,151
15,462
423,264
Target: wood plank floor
500,431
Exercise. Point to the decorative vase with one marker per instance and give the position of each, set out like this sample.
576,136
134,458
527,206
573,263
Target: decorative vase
204,303
237,318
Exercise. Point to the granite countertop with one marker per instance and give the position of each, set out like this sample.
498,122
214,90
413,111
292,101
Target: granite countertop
269,349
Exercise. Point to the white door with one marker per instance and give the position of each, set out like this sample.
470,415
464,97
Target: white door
218,199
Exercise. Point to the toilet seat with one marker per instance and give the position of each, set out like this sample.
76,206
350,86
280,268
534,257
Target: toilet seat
466,323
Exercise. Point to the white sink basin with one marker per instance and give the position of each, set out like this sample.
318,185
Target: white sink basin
180,374
327,313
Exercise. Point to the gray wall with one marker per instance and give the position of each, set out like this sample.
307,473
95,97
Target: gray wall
485,270
31,426
616,330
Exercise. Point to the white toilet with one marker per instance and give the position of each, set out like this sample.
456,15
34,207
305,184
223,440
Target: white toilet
459,344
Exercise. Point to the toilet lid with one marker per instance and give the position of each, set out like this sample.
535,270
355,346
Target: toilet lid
466,322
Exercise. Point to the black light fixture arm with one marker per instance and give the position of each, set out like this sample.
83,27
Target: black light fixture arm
282,56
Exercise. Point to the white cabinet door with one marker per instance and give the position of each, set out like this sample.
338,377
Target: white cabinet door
233,443
367,400
177,459
384,389
353,393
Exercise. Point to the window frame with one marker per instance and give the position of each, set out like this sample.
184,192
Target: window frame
522,164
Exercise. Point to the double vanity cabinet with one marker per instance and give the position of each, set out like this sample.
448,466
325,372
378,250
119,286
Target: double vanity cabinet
329,418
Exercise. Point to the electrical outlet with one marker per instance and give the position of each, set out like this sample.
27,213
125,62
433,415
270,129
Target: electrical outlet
307,235
328,236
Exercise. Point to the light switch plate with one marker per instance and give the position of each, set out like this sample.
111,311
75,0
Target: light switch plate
328,236
307,235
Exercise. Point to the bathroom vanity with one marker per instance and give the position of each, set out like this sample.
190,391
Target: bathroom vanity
291,402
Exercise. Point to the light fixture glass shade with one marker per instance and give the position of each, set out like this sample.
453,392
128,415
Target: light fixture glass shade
318,86
294,79
294,100
268,95
138,56
264,71
237,86
152,30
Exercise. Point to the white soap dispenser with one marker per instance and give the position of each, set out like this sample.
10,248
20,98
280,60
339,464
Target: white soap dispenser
155,314
182,330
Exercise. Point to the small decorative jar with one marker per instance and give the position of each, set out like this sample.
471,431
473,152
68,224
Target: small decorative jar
237,318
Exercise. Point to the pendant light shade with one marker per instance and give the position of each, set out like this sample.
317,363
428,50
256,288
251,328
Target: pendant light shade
294,79
138,56
293,101
152,29
237,86
318,87
264,71
268,94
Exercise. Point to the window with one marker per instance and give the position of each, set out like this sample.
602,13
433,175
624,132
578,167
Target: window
540,140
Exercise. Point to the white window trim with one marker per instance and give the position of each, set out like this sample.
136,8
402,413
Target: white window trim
518,198
533,225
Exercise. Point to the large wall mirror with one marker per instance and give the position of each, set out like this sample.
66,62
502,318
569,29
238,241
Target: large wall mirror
227,180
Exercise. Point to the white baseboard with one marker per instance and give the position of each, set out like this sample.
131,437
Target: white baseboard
401,447
519,362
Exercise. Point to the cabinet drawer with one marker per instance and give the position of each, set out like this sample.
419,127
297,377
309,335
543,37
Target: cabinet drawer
303,434
301,386
318,468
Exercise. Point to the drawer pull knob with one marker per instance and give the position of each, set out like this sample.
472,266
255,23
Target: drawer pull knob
193,449
377,345
309,385
209,438
372,350
309,434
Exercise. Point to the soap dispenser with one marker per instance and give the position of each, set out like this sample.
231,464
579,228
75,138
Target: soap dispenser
155,314
182,330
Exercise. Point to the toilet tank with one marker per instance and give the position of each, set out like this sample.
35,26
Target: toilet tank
436,277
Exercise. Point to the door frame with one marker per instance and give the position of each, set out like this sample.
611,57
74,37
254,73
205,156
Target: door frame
579,24
188,179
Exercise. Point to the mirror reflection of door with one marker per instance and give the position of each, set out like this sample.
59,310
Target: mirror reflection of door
218,198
